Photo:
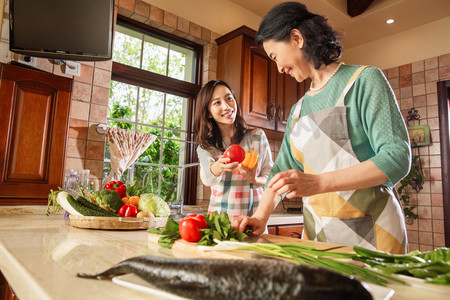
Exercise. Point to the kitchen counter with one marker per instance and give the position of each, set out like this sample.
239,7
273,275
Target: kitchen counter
40,256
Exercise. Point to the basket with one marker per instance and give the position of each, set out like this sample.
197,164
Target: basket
117,223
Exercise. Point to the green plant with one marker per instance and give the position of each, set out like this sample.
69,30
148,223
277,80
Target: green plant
415,180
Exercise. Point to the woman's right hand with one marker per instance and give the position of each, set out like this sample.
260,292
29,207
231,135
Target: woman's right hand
239,223
222,165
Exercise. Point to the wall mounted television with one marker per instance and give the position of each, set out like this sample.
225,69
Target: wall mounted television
62,29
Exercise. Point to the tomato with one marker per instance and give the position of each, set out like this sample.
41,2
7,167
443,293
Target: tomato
189,227
128,210
235,153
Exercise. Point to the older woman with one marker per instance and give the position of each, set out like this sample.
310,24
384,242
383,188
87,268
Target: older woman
345,145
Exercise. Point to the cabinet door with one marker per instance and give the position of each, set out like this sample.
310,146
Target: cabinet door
289,92
256,90
34,117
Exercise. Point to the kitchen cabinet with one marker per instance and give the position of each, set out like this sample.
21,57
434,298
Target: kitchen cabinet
34,116
5,290
265,95
292,230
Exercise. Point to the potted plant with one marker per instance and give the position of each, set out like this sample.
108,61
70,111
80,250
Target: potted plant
415,180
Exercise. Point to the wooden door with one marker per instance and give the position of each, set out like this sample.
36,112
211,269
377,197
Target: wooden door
34,114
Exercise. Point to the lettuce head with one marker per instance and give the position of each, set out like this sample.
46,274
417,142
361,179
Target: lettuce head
155,204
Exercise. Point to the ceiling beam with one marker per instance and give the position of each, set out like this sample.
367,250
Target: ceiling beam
357,7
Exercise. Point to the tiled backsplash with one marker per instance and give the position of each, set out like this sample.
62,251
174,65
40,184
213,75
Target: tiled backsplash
415,85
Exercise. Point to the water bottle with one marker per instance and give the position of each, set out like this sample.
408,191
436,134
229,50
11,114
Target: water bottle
71,186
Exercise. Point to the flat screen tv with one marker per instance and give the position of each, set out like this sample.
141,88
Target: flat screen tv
62,29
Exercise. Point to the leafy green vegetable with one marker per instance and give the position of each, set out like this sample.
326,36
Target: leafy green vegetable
136,189
170,233
109,199
219,227
155,204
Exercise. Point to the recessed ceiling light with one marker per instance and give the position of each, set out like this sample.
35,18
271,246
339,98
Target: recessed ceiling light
390,21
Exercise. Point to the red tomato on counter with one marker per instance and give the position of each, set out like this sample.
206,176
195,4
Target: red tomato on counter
128,210
235,153
190,225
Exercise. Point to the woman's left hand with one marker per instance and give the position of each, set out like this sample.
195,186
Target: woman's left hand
295,183
248,174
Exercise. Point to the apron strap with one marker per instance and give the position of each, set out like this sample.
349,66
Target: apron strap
350,83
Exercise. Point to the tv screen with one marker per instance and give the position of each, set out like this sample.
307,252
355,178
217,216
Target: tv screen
62,29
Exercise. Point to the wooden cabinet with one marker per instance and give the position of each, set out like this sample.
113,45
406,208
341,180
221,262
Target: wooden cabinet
265,95
294,230
34,115
6,293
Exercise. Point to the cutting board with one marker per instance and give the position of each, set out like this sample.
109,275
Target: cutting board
186,249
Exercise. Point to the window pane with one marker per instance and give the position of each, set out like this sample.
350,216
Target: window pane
175,134
169,184
152,153
176,112
181,63
151,107
127,46
122,101
155,55
150,177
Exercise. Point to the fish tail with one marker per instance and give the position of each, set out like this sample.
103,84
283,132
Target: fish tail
108,274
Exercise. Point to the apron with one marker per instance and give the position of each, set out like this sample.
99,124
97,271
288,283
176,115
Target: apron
370,217
234,195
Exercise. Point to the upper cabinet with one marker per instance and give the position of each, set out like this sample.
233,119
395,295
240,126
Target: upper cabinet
265,95
34,118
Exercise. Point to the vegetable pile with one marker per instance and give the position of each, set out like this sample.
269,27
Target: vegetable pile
113,201
202,229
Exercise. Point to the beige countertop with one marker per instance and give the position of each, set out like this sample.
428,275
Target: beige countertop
40,256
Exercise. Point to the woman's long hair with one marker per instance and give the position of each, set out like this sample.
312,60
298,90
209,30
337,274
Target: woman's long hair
207,132
322,45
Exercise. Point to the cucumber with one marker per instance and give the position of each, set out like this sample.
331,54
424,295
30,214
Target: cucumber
103,212
76,208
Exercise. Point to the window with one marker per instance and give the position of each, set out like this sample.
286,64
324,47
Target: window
155,78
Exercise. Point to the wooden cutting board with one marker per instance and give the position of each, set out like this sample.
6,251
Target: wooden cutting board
185,249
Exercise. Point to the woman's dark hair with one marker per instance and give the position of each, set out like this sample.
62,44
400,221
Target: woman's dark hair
207,132
321,42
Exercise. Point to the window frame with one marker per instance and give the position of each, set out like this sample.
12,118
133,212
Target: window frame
146,79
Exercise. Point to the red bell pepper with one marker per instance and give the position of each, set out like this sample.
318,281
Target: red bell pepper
117,186
128,210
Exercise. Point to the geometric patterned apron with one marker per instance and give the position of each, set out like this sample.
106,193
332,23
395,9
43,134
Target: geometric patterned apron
370,217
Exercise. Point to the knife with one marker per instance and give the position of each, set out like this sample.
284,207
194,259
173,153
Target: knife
253,238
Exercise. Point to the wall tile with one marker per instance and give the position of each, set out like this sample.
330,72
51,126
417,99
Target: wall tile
206,34
431,87
431,75
418,89
104,65
79,110
438,240
437,200
418,78
170,20
444,73
425,225
394,83
435,174
418,66
156,16
102,77
76,148
100,95
425,238
93,133
96,167
432,98
81,91
86,73
183,25
438,226
444,60
127,4
195,30
77,129
393,72
98,113
405,80
405,92
437,213
420,101
431,63
74,163
142,8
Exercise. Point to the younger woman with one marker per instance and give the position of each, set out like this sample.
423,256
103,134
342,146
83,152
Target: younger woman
218,123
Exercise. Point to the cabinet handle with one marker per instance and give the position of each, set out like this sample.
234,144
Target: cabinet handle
279,112
298,235
271,115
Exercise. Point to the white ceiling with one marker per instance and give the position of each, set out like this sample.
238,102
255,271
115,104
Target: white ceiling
370,25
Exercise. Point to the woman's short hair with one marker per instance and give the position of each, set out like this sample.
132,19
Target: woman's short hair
322,44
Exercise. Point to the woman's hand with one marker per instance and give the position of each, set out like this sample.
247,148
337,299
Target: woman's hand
295,183
239,224
248,174
222,165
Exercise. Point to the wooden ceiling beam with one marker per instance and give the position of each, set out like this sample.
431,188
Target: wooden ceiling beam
357,7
